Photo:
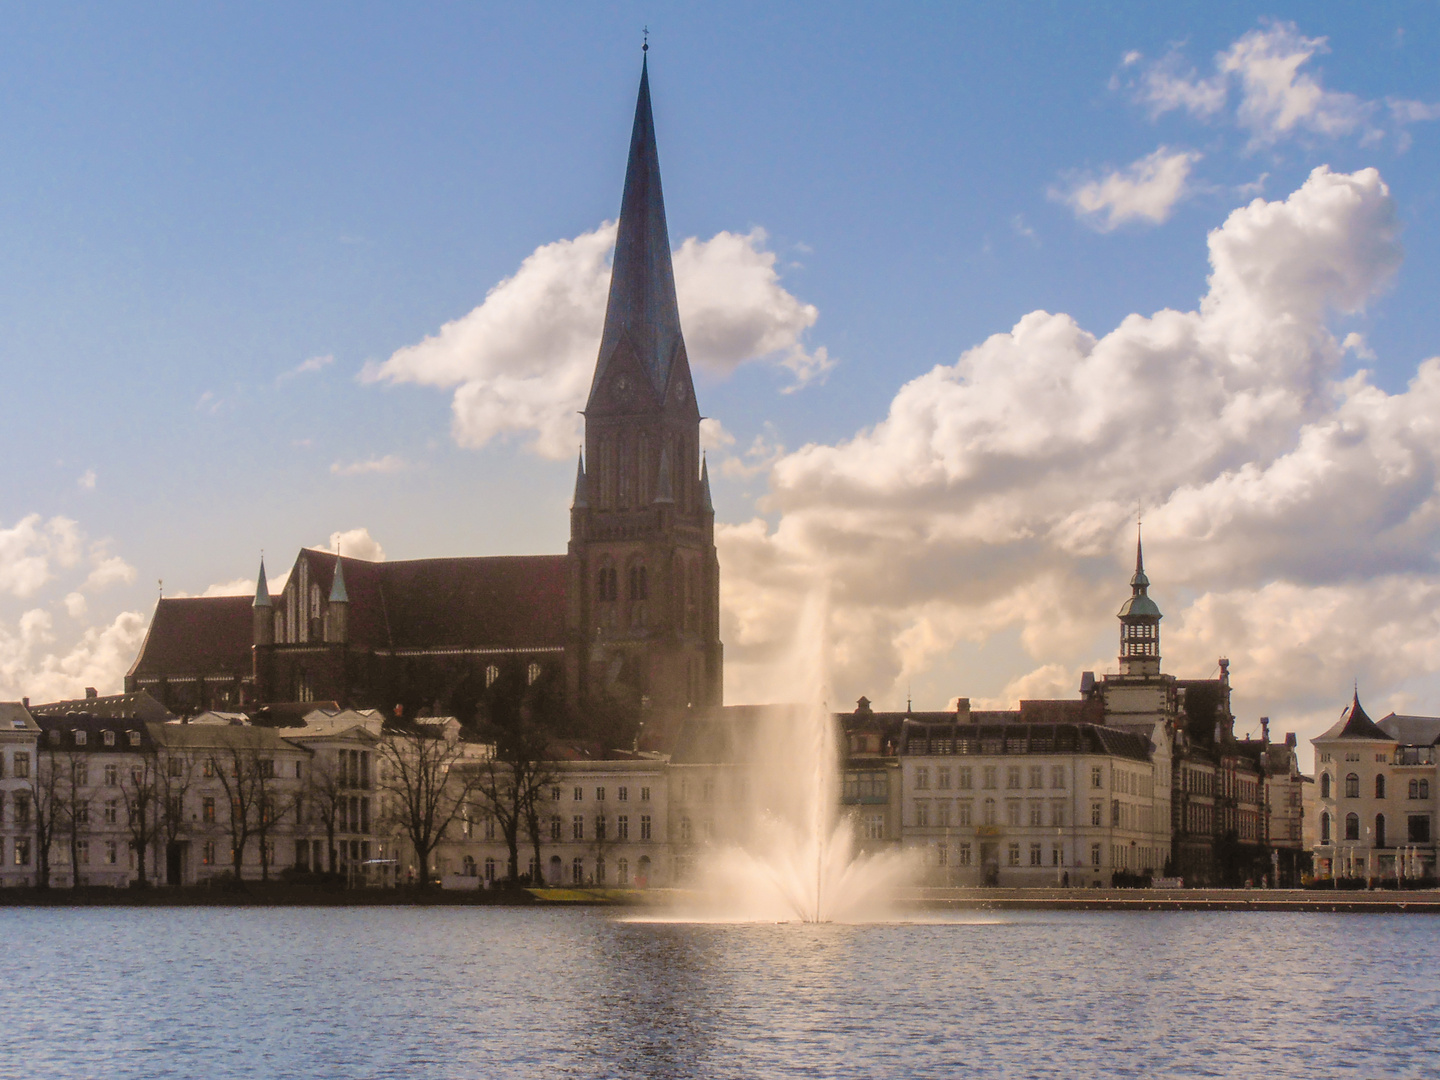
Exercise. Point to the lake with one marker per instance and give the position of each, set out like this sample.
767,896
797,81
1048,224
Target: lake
524,992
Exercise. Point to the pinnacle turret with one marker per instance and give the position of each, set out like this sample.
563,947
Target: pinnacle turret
581,500
705,503
338,595
262,588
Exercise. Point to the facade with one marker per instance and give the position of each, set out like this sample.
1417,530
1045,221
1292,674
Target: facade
19,735
870,782
629,614
1376,797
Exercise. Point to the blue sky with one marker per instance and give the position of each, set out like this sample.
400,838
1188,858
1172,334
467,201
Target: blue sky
198,200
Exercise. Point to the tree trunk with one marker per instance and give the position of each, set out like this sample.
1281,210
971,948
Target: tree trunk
140,861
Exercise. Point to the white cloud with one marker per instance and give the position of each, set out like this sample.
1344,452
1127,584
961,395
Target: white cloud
1145,190
995,500
713,435
356,544
31,550
109,570
306,367
86,482
30,665
520,364
76,604
1277,96
383,465
241,586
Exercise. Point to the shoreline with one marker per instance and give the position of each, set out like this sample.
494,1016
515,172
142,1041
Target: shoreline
256,894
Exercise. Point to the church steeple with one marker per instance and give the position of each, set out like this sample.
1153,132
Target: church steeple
642,317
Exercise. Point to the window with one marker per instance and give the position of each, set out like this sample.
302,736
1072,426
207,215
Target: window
107,737
532,674
554,794
1057,777
207,853
1012,778
577,872
942,778
1324,785
1097,813
942,854
207,810
1115,813
1097,777
964,859
133,736
988,777
22,766
685,830
988,817
622,828
875,826
1013,855
1037,776
1037,810
1380,831
942,813
1012,812
1055,856
577,828
1424,789
82,852
644,794
1057,814
1095,855
599,827
555,826
963,812
491,674
1414,789
622,794
922,778
489,869
707,791
599,794
1419,829
922,813
1324,828
1352,826
622,872
966,778
1352,786
22,851
112,811
644,826
22,810
579,794
112,852
1035,855
1380,786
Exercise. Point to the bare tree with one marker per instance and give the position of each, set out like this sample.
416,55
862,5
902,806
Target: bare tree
237,768
173,782
139,788
510,782
43,806
425,790
324,794
73,767
271,807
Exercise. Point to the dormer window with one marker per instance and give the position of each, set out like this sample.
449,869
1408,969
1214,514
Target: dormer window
134,737
108,738
79,737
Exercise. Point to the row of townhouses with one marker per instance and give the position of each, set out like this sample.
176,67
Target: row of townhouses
1141,775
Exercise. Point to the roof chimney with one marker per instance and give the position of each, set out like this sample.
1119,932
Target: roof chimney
1290,738
90,693
1265,729
25,701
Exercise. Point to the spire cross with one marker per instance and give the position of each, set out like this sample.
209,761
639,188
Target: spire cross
645,46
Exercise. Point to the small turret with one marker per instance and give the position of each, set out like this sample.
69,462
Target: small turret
582,495
1139,623
664,493
705,504
337,611
262,619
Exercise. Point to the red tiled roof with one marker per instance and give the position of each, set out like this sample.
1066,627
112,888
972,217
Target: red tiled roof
198,635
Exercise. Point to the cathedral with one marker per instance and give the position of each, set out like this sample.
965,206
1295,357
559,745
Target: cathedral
629,614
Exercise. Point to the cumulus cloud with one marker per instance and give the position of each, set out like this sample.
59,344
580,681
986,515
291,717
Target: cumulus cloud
520,364
997,496
306,367
1145,190
1276,96
381,465
86,482
31,664
32,549
356,544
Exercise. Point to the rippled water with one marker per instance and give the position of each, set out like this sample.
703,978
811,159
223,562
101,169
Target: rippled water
446,992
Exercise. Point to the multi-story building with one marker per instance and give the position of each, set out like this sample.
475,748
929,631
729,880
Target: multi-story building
870,783
340,807
18,759
1377,797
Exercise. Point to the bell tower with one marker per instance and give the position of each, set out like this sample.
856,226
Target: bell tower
1139,624
644,578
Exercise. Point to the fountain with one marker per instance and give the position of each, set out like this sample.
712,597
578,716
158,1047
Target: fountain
787,853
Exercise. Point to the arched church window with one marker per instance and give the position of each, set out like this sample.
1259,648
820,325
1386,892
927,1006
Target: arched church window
1352,786
1324,828
1380,788
639,588
491,674
1324,785
1352,826
532,674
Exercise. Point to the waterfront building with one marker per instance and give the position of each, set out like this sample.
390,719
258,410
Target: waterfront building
629,614
870,788
19,735
1376,797
340,811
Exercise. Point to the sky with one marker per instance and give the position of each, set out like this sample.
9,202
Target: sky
967,287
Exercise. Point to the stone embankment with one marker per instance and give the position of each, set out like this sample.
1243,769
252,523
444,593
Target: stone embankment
1425,901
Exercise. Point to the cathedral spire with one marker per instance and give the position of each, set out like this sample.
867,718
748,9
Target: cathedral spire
581,500
262,587
705,503
642,314
338,593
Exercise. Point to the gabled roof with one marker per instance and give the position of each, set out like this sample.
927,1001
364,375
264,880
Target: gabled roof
197,635
15,717
140,705
1355,724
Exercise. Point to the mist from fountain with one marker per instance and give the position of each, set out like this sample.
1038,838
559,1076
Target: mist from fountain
790,854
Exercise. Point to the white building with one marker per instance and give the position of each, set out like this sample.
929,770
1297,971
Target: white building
1376,799
18,737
